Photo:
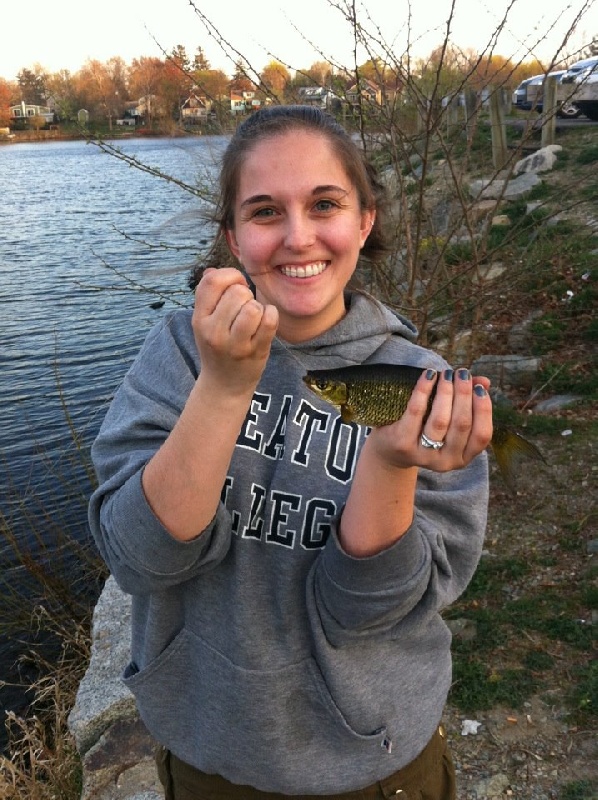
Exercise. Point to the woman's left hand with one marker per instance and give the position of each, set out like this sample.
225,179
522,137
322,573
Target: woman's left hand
460,420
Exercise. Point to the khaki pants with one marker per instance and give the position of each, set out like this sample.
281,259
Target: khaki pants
430,776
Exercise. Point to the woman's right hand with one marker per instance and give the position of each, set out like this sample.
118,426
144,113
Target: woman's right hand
233,331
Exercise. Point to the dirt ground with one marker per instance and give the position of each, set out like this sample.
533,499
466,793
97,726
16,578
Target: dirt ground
539,751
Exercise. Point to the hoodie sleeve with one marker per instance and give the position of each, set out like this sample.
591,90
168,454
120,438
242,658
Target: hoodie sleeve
139,551
421,574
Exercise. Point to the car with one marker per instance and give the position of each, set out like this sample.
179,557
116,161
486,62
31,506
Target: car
528,96
520,99
581,69
585,94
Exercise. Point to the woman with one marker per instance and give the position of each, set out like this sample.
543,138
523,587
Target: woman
288,570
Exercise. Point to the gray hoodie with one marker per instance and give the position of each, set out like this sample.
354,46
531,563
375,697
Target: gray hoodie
261,651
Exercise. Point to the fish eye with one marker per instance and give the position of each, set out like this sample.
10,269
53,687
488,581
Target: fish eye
321,385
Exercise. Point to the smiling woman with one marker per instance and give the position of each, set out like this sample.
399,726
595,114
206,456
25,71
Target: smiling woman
289,567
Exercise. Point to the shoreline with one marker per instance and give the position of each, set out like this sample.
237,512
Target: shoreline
42,137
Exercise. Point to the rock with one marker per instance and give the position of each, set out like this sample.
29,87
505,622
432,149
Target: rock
506,189
492,788
121,764
501,221
510,370
463,629
102,698
456,350
540,161
481,209
490,272
117,752
520,334
556,403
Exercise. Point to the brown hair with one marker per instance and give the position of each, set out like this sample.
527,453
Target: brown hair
274,121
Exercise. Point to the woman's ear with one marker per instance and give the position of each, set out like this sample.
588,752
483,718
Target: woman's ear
231,241
368,217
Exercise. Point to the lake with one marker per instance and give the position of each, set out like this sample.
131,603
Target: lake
87,245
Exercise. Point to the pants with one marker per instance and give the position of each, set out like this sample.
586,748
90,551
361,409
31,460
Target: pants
430,776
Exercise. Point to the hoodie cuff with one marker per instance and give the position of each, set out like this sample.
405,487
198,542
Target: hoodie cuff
398,564
144,542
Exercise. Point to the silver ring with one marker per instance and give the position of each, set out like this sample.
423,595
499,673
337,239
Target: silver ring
425,442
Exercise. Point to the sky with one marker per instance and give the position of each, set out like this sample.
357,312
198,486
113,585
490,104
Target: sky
64,34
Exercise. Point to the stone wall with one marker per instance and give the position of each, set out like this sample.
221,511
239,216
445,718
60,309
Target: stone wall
116,750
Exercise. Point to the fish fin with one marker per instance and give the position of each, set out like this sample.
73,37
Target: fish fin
346,413
507,449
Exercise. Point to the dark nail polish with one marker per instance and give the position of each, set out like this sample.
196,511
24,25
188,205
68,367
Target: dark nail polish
479,390
430,374
463,374
448,374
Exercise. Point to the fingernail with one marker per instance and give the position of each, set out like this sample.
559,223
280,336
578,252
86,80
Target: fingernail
479,390
463,374
448,374
430,374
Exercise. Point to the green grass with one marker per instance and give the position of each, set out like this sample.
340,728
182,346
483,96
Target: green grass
580,790
477,687
500,665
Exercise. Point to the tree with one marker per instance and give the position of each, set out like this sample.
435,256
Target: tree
241,81
103,87
592,48
200,62
145,77
179,57
5,98
33,85
62,89
275,78
212,83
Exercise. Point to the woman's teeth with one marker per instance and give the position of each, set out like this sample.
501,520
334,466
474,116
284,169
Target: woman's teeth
307,271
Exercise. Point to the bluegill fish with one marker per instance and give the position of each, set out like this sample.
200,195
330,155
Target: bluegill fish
377,394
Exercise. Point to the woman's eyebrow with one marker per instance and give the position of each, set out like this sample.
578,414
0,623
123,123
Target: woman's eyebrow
256,198
317,190
329,188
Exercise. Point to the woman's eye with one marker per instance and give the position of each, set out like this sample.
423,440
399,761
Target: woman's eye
325,205
264,212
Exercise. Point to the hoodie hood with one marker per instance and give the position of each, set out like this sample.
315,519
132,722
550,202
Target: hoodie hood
366,326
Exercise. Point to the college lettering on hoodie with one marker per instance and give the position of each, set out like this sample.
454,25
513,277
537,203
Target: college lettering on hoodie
292,518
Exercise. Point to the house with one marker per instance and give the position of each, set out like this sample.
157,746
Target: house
243,102
196,109
318,96
23,111
133,114
139,112
370,94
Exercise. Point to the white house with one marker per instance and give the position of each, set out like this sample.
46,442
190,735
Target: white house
26,110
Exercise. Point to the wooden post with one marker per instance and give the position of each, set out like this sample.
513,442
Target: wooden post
471,111
549,107
499,129
452,114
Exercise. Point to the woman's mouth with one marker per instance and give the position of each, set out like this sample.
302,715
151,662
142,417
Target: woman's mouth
304,271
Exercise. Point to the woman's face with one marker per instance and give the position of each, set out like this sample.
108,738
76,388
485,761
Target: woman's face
298,230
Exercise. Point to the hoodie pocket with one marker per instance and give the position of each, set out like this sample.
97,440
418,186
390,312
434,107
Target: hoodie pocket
246,724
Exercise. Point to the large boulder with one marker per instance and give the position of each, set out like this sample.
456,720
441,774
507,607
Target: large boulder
116,750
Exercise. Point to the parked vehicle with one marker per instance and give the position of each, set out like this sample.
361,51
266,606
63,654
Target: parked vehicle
585,95
520,99
580,70
528,96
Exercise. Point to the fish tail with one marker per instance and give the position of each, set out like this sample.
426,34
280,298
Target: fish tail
508,446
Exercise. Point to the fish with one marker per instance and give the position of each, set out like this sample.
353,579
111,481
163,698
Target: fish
375,395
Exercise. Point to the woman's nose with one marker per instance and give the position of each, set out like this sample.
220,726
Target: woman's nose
299,233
